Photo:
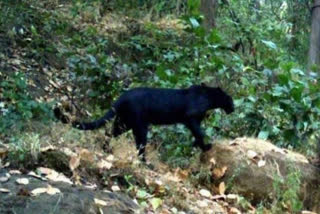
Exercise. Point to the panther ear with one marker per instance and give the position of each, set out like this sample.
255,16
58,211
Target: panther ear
203,84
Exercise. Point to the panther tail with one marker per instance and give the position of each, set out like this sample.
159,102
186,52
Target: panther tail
95,124
85,126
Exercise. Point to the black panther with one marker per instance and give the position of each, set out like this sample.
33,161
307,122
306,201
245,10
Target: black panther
138,108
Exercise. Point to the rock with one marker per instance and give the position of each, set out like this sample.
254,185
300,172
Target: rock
255,180
75,200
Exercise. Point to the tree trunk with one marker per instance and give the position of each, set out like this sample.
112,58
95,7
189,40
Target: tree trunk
314,50
208,9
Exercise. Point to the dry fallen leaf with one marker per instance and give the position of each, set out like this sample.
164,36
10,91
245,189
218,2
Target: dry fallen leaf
104,164
69,88
90,186
202,203
218,173
33,174
234,210
213,161
166,211
159,187
86,155
158,182
38,191
110,158
22,181
307,212
170,177
15,172
100,202
54,175
182,174
52,190
74,162
147,181
222,188
5,178
59,177
115,188
205,193
49,190
4,190
53,83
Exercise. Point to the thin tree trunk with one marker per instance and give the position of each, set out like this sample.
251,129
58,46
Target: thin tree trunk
209,8
314,50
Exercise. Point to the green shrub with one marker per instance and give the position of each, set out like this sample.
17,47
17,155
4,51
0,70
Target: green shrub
16,104
24,148
287,193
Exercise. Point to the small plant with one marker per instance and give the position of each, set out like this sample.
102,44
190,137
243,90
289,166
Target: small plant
24,148
18,106
202,177
128,179
287,193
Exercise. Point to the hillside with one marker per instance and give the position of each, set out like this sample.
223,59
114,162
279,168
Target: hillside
80,56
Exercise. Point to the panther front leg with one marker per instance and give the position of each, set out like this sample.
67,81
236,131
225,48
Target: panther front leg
195,128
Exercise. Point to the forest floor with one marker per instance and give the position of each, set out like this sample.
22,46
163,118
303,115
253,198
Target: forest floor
61,169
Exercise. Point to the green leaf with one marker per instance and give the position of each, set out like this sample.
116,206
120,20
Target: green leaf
155,202
214,36
297,71
263,135
238,102
278,91
161,72
297,93
283,79
142,194
92,59
269,44
194,22
252,99
193,6
34,30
